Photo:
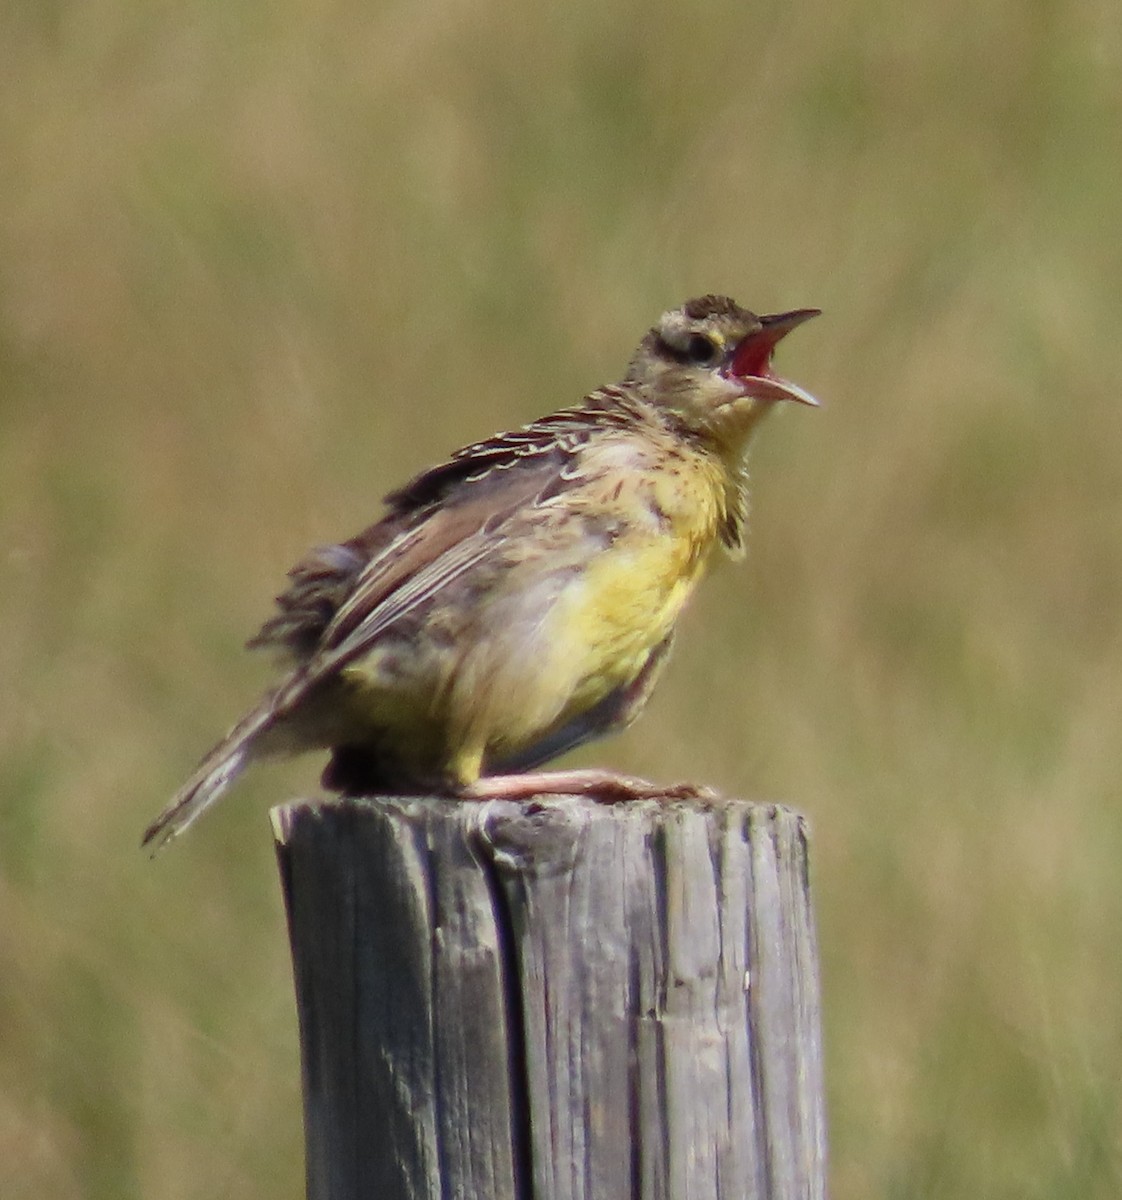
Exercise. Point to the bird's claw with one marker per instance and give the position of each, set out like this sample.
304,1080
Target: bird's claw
628,787
689,791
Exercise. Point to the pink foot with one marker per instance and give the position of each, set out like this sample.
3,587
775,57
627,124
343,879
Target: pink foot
603,785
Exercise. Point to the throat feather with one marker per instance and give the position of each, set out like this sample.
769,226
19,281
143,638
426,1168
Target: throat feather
733,522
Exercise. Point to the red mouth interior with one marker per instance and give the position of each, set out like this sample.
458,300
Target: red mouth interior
752,359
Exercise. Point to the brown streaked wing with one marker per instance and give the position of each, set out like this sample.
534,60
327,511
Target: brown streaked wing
333,587
474,491
566,430
448,519
446,542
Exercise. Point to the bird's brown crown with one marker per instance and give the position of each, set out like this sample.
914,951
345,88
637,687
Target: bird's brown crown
701,308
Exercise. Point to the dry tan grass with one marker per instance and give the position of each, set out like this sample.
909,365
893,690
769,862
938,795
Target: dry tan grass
258,262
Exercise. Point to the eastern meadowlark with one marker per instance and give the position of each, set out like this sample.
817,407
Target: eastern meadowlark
520,598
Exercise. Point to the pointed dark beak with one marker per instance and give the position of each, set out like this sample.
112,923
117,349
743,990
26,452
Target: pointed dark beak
751,361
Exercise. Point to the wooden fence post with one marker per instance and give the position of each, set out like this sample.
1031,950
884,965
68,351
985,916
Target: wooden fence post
555,1000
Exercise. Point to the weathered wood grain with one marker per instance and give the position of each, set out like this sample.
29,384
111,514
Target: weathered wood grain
556,1000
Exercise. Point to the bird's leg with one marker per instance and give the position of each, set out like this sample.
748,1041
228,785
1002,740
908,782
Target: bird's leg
598,783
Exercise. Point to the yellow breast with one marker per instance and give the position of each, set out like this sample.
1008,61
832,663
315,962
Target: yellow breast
629,596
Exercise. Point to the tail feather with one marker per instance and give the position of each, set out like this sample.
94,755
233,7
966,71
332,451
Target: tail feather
211,779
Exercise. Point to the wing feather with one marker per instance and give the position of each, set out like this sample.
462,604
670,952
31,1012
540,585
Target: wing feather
444,543
440,526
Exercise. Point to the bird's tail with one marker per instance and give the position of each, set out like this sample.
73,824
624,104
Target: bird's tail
212,777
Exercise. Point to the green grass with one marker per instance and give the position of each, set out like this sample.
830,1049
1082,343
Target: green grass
258,262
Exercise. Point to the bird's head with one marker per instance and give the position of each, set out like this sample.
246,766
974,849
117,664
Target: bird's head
709,363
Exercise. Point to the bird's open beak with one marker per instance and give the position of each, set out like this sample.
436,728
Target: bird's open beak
751,360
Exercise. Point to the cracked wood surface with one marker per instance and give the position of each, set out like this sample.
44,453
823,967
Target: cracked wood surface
555,1000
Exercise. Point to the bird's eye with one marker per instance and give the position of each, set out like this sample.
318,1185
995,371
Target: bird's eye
701,350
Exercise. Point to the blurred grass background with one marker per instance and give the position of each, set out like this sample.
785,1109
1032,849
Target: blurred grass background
260,261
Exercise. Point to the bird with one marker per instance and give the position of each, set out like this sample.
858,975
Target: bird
520,598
